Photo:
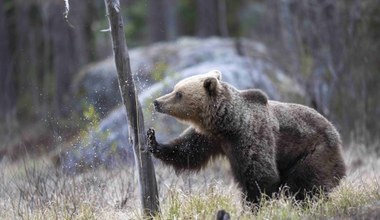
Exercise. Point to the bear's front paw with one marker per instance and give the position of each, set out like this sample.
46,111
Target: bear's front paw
152,143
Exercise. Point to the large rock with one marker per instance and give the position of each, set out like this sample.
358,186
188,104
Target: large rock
97,83
157,68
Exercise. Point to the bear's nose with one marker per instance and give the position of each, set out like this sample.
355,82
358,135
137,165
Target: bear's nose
156,105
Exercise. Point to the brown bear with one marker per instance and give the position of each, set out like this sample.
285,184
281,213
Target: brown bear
269,144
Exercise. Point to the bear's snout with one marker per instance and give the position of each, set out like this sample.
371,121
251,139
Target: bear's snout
157,105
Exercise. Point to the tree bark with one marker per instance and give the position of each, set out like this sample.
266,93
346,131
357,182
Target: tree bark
146,174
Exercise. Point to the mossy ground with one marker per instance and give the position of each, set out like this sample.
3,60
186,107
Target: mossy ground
34,189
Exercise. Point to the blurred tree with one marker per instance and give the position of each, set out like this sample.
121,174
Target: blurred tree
157,21
70,48
331,47
211,18
171,19
40,55
186,17
7,85
64,57
162,20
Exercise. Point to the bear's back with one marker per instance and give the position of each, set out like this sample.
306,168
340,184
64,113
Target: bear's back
299,119
300,128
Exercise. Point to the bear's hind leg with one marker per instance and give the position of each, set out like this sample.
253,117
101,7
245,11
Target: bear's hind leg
317,172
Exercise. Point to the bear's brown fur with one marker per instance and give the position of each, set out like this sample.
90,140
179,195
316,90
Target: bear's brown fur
269,144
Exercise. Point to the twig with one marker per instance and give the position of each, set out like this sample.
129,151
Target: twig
66,13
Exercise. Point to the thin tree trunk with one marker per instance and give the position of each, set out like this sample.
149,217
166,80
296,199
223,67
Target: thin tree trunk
64,60
207,18
7,85
147,178
222,18
171,19
81,17
288,33
46,64
211,18
157,22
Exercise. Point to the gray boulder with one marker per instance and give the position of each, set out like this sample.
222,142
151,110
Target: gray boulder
97,83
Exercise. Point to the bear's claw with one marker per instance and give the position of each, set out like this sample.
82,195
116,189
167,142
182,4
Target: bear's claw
152,144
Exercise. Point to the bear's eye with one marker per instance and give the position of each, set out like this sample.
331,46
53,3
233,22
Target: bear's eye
178,95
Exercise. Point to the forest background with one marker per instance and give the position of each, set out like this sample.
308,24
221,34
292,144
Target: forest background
324,54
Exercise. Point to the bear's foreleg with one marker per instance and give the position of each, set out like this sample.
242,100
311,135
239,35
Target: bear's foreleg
255,170
190,151
261,179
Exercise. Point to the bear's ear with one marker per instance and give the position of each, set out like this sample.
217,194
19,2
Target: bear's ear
210,84
216,73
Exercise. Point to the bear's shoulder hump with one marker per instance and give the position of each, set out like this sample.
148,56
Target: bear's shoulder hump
255,96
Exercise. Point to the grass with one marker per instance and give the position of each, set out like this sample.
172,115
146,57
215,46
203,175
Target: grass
34,189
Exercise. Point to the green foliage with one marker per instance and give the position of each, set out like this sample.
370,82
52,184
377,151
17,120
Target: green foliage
187,11
91,120
250,18
24,103
159,71
306,64
8,5
135,27
91,116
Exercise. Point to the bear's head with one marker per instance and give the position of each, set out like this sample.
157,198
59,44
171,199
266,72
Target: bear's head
191,97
